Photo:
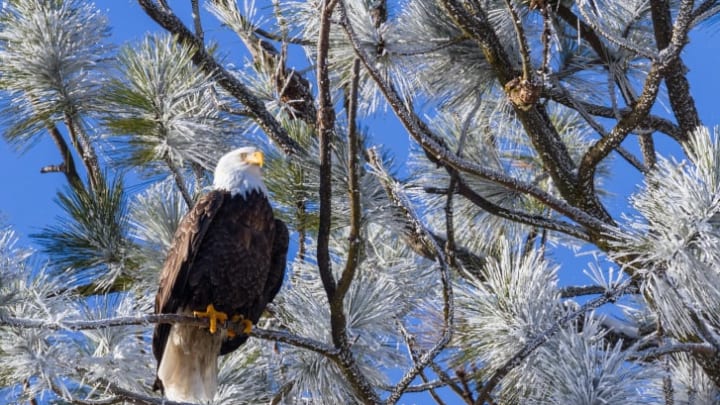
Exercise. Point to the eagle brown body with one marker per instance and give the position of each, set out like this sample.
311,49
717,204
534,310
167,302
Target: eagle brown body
228,251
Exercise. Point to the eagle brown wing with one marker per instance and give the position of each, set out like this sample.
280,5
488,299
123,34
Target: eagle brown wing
173,279
276,274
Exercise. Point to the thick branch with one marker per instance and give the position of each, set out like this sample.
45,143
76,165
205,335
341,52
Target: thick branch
439,154
681,101
472,19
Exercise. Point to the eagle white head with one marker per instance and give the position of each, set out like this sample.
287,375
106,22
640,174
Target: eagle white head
239,171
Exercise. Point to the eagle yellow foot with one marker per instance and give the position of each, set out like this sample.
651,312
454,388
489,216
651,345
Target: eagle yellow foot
213,315
247,326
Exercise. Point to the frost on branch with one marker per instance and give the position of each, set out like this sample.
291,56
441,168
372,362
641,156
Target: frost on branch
52,55
163,110
675,240
582,368
517,301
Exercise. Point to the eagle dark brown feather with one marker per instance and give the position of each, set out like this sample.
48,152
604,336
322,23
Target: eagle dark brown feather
228,251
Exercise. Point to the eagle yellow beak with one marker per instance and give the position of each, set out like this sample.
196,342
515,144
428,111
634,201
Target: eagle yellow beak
255,158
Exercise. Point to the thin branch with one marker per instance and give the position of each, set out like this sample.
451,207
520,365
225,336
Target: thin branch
530,347
68,165
522,41
703,349
280,38
142,320
272,128
199,34
519,216
649,123
179,181
353,255
447,294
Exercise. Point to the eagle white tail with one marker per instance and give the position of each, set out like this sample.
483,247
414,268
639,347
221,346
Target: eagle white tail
189,369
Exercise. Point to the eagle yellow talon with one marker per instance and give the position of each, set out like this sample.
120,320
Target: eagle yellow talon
247,326
213,315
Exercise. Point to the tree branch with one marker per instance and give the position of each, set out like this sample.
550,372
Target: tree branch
326,132
68,165
438,153
273,335
514,361
353,255
272,128
447,294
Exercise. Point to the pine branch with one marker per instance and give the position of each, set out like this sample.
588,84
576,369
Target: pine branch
531,346
472,19
354,241
68,165
326,132
272,335
272,128
448,306
438,153
648,123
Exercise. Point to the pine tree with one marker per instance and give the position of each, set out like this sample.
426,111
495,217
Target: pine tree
439,276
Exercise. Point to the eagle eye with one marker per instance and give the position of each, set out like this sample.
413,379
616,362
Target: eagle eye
243,156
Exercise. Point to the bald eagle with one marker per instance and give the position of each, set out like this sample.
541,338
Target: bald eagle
226,262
